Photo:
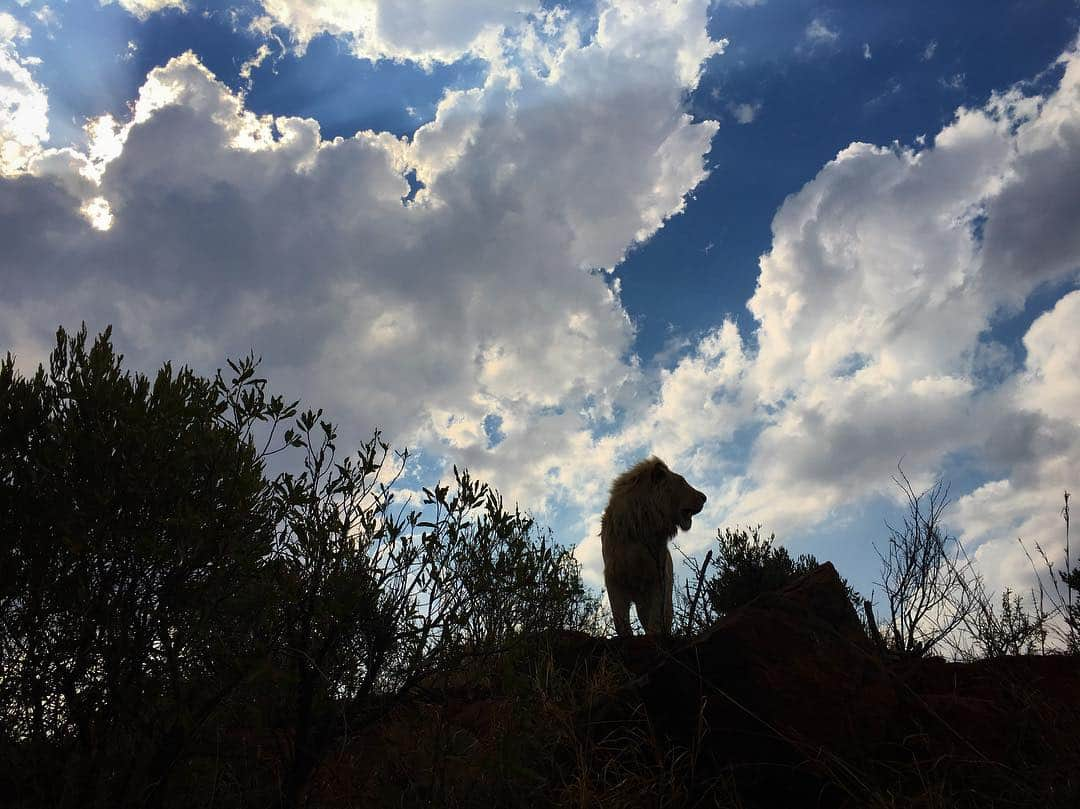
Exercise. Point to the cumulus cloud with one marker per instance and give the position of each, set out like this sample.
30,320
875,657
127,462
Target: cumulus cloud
688,415
253,63
11,29
47,17
1050,383
819,33
745,113
201,230
873,312
144,8
443,31
885,277
1027,504
24,105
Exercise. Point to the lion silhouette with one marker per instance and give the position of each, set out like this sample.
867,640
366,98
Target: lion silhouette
647,506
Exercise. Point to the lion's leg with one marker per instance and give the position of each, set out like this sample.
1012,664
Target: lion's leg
620,611
650,608
655,605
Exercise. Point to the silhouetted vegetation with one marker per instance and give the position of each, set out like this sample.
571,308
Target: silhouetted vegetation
937,599
739,567
924,575
161,594
1070,577
133,600
1057,605
1009,627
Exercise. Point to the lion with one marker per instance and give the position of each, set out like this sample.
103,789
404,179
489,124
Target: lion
648,504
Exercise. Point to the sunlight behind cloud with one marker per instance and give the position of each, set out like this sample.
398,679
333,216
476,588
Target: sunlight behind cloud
253,230
98,213
24,106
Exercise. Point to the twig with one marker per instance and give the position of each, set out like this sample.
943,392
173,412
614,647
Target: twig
697,590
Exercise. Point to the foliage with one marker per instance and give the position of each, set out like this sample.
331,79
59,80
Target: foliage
745,564
160,592
134,520
381,597
1070,577
1010,629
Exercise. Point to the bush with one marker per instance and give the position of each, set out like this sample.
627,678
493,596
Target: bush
748,565
745,564
381,597
135,521
992,631
168,611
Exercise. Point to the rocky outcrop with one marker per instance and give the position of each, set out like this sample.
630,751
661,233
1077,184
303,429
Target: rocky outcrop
784,702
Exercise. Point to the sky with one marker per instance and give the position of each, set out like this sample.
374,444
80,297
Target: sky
784,245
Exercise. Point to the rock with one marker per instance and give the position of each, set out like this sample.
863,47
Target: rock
784,702
788,693
784,680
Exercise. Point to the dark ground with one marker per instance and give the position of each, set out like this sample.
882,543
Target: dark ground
783,703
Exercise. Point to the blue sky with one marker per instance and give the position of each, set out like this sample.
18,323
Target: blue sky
781,243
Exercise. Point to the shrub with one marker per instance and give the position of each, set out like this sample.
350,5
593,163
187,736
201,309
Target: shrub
159,591
745,564
381,597
1010,629
135,519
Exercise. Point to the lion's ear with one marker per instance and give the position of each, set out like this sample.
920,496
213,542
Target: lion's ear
658,472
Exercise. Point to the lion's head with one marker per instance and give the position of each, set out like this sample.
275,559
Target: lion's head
650,500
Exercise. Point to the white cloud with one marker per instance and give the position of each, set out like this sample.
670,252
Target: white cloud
253,63
1027,504
496,30
24,106
953,82
878,259
47,17
690,421
929,51
144,8
402,29
818,32
1050,383
200,230
866,53
872,307
11,29
745,113
98,213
